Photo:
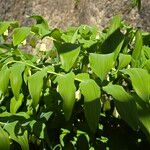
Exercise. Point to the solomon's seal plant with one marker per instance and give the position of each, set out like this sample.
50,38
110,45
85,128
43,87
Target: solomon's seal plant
89,89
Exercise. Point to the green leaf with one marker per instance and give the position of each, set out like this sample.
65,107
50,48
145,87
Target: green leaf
114,24
118,49
68,54
56,34
101,64
15,104
90,90
140,81
125,104
136,54
20,34
4,138
4,79
41,26
144,117
146,50
92,111
3,27
82,76
147,65
124,60
137,3
39,129
113,43
16,79
92,106
35,88
66,88
22,138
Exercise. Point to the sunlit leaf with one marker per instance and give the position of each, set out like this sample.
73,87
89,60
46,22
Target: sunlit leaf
136,54
125,104
41,26
140,80
35,84
15,104
20,34
114,24
22,139
146,50
16,78
90,90
66,88
82,76
4,79
68,54
101,64
124,60
147,65
4,26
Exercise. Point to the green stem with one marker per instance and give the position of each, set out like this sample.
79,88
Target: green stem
51,72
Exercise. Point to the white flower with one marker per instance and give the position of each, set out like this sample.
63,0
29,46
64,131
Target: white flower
24,42
78,95
43,47
6,33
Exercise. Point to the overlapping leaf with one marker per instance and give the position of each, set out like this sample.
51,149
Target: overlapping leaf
92,106
4,140
16,78
41,26
35,84
20,34
22,138
125,104
68,54
66,88
136,54
101,64
124,60
141,82
4,79
4,26
15,104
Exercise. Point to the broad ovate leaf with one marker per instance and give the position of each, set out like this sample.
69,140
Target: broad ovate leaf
91,92
4,79
124,60
15,104
140,79
67,89
20,34
101,64
35,84
41,26
125,104
4,26
4,140
68,54
136,54
21,139
82,76
147,65
16,78
146,50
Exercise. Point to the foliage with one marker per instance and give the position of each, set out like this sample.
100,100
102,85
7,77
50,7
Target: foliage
90,90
